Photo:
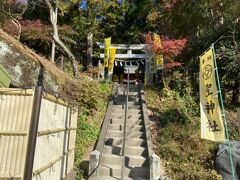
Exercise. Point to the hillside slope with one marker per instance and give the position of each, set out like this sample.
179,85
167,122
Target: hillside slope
176,135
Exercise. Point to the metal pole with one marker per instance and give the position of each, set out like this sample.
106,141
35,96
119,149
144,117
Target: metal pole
124,132
33,133
147,70
223,114
124,92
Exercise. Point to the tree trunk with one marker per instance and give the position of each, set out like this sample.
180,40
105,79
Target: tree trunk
89,49
19,27
69,53
236,92
53,51
211,12
53,18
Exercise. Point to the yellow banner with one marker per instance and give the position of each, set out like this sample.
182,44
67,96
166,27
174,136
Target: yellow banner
111,60
157,39
159,61
158,57
107,43
212,127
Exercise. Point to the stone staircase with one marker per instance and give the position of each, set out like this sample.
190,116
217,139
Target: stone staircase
137,165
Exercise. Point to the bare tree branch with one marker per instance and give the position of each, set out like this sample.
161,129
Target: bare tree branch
14,21
48,4
53,18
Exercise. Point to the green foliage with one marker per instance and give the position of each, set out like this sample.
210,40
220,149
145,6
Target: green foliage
89,123
79,175
233,119
177,135
87,133
83,92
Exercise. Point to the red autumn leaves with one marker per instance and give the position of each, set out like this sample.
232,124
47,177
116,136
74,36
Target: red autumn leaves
169,48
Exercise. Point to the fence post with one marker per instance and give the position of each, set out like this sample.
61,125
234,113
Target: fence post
32,137
154,167
93,166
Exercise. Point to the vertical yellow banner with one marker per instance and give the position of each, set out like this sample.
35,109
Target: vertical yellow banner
157,39
212,127
107,43
111,60
158,57
159,61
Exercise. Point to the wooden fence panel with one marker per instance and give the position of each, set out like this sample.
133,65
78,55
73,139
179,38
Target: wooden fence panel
54,153
15,117
53,131
72,140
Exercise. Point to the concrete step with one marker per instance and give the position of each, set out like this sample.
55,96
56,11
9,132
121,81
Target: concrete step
129,150
136,161
137,127
136,142
134,103
136,151
136,134
117,150
111,160
130,122
133,173
119,127
129,107
112,171
131,89
130,117
120,115
129,142
134,98
131,134
115,134
134,90
122,97
130,111
133,93
113,141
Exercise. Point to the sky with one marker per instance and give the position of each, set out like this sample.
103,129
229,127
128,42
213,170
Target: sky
83,5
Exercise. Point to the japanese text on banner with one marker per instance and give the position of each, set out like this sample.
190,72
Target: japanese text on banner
212,127
111,60
158,57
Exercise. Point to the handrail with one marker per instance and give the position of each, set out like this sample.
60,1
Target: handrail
124,132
